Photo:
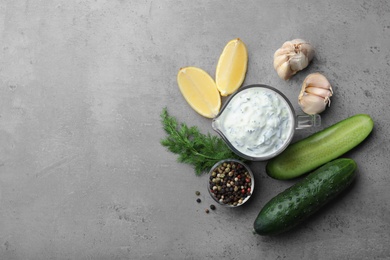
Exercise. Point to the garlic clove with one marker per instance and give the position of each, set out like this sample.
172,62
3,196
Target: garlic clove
298,62
318,80
285,50
315,94
280,60
284,71
324,93
308,50
312,104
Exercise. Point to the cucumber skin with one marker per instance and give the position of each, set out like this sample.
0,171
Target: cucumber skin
328,144
295,204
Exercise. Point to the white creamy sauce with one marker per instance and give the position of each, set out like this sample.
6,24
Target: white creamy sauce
257,121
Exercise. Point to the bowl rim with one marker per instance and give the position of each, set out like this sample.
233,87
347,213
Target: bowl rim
249,170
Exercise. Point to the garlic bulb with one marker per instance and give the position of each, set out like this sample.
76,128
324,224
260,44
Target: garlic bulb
315,94
292,57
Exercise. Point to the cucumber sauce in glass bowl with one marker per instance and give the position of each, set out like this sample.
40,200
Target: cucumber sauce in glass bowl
257,122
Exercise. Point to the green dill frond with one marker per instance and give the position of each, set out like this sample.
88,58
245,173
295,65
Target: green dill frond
192,147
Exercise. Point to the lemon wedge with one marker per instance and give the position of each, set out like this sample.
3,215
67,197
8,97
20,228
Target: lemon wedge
232,66
199,90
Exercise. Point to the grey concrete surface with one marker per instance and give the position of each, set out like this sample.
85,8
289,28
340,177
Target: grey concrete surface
82,86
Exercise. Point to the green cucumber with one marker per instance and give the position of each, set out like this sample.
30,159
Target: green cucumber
308,154
295,204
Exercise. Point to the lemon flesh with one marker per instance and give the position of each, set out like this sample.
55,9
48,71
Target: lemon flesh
232,66
199,90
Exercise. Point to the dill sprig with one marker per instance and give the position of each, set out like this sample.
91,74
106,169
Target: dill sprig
192,147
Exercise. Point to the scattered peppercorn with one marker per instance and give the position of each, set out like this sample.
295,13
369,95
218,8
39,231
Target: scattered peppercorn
198,200
207,211
212,207
197,193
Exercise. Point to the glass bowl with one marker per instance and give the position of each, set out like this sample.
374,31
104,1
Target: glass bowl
246,122
258,122
230,182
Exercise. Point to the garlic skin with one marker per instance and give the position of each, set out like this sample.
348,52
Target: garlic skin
292,57
315,94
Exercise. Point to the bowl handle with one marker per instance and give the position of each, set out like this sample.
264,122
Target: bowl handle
305,121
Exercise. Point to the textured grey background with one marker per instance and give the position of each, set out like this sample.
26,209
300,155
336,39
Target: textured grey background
82,85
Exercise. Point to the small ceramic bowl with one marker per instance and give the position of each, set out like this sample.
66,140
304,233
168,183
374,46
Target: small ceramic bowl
230,183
